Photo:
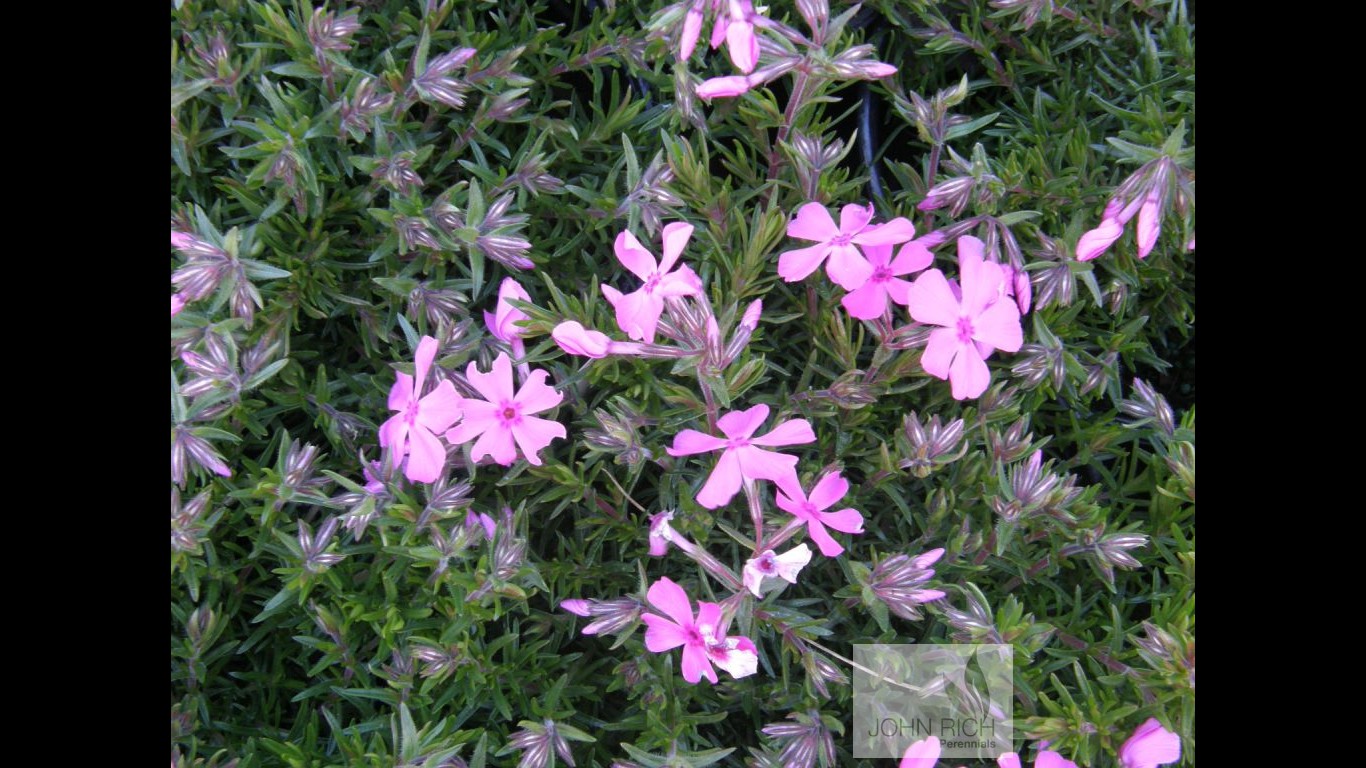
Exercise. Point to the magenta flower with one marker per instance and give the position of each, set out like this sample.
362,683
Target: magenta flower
414,428
829,489
702,646
970,327
769,565
1150,746
502,420
922,754
1046,759
638,312
177,304
502,322
741,458
869,300
846,266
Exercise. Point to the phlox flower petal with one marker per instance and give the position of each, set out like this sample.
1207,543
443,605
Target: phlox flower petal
922,754
1150,746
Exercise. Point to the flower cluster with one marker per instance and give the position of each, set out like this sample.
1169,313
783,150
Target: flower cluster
502,420
1150,746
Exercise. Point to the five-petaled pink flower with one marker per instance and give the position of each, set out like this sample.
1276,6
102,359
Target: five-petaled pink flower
742,459
970,327
846,266
1150,746
827,491
414,428
638,312
502,420
869,300
770,565
702,639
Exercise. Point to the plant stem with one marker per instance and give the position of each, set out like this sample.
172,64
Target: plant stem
794,104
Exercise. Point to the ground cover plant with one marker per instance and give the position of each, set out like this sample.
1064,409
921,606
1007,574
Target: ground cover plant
578,382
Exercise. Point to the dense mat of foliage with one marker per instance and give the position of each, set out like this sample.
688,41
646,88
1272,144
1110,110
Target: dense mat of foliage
348,180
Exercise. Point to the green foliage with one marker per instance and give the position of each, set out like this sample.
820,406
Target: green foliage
361,211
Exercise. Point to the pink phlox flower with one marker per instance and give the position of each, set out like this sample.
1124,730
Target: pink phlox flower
638,312
769,565
846,266
828,490
502,322
177,304
737,30
413,429
1150,746
502,420
1045,759
703,639
869,300
971,324
573,338
922,754
742,458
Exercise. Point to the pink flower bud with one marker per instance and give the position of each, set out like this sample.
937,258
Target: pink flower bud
577,340
502,323
576,606
177,303
1098,240
1149,223
750,319
692,28
732,85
